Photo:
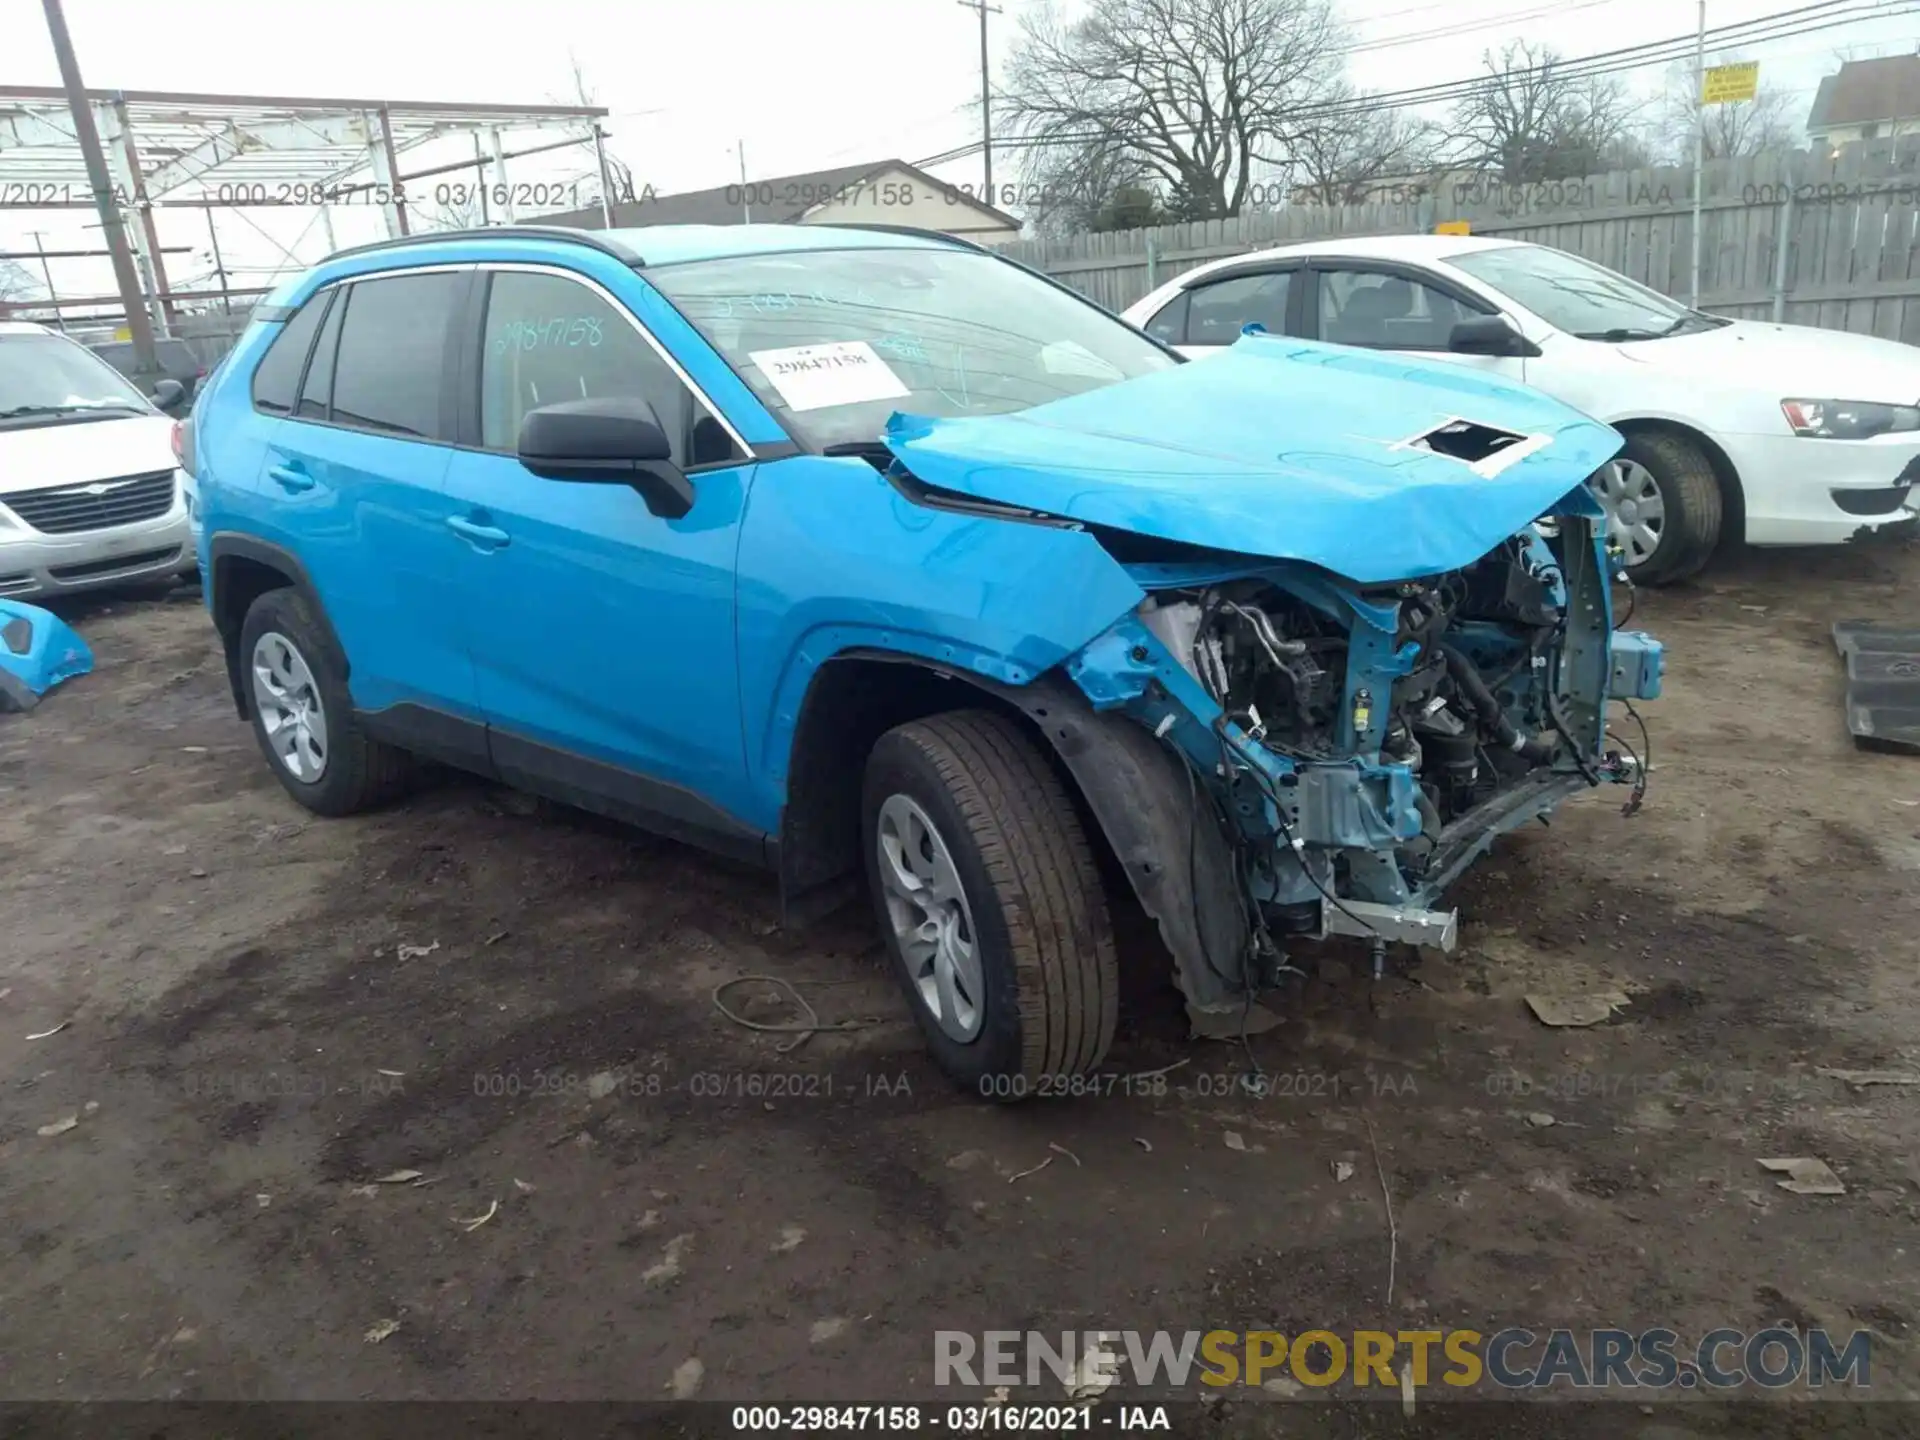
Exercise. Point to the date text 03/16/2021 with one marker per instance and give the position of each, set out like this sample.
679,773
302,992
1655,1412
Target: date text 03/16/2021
970,1419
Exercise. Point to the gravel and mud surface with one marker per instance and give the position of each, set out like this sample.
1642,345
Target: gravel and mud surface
266,1013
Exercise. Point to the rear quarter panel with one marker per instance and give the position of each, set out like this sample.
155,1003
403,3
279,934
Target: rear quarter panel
230,439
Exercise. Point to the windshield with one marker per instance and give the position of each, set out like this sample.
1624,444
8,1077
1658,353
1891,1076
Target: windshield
46,375
836,341
1576,295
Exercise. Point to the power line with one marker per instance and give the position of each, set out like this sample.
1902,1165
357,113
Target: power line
1802,20
1468,27
1805,19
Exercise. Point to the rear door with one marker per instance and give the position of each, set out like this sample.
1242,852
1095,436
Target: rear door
354,481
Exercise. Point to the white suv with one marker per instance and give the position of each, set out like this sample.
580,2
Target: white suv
91,489
1782,434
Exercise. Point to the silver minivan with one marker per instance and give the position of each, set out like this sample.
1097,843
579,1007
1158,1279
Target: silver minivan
92,491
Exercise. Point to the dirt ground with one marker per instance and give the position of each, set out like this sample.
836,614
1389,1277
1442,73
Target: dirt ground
265,1012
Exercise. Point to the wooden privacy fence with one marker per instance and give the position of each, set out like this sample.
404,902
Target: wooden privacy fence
1850,223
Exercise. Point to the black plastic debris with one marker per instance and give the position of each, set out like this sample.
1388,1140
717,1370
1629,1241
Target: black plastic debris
1883,684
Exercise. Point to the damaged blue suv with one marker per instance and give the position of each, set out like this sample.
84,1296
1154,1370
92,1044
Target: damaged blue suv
874,558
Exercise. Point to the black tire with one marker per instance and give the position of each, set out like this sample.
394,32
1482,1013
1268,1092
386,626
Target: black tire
1690,494
359,773
1041,928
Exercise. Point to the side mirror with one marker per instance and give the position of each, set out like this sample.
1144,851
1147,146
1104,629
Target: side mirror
1489,335
169,394
607,441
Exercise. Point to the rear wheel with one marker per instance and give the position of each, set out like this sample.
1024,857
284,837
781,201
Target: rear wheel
1663,507
303,717
989,903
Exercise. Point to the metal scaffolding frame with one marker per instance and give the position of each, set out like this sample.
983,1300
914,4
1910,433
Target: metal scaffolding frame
167,149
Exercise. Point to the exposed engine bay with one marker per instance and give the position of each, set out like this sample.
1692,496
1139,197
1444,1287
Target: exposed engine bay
1278,668
1399,727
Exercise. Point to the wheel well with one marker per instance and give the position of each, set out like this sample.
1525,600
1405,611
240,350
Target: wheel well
238,581
852,702
1733,502
1170,878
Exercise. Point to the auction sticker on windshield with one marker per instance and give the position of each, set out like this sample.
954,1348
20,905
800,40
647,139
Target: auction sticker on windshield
812,377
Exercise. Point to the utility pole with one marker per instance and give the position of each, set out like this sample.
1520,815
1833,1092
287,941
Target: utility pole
1699,143
606,183
479,179
219,265
746,203
139,325
46,271
986,95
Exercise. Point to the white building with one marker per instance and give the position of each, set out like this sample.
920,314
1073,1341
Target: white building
1867,100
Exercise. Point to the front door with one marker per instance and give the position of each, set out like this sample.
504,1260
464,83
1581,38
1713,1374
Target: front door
602,634
1395,308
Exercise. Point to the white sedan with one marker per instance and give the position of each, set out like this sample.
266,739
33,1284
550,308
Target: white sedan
1782,434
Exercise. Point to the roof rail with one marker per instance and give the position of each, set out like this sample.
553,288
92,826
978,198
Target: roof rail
921,231
593,238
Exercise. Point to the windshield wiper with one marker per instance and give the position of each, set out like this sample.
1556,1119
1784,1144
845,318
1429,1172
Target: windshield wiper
1696,317
874,452
1623,333
1619,334
15,412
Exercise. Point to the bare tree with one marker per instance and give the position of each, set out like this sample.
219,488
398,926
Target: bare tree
1533,119
619,176
1072,188
1192,95
1769,121
462,208
1342,160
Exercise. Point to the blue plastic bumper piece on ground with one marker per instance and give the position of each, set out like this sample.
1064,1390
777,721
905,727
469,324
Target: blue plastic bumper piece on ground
37,651
1639,663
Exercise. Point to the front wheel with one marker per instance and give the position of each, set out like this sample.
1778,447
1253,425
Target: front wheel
1663,507
989,903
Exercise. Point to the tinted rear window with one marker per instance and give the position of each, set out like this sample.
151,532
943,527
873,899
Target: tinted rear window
278,374
318,388
388,372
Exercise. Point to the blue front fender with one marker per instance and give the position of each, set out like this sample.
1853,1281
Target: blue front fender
834,559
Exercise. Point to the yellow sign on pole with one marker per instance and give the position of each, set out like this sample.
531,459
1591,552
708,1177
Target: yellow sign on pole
1453,227
1726,84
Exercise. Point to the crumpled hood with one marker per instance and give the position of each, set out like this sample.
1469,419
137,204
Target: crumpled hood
1281,448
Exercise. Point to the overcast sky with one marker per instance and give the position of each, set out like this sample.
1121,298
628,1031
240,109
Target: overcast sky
804,85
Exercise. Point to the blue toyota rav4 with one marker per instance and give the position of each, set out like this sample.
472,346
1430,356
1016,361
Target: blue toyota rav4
871,556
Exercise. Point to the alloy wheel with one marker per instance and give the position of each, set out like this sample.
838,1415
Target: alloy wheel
288,703
932,922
